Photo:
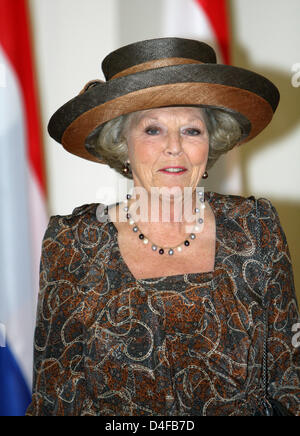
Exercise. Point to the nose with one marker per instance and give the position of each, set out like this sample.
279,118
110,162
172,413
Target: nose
173,145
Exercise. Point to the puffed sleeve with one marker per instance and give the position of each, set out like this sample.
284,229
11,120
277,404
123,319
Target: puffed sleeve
283,314
58,342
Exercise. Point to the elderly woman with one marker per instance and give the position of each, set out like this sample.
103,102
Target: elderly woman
175,301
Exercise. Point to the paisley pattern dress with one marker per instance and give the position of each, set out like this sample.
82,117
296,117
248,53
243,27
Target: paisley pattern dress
191,344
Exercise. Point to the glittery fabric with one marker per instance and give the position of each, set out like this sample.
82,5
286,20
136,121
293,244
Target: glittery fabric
109,344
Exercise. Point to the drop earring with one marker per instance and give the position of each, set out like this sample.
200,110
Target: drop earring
205,175
126,168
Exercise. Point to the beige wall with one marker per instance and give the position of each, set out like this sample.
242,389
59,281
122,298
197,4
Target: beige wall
265,37
73,36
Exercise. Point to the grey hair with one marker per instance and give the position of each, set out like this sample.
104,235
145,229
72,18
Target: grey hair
223,129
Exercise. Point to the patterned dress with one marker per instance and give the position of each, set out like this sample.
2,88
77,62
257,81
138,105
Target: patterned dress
190,344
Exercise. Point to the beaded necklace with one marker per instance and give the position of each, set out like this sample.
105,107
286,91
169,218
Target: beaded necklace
170,250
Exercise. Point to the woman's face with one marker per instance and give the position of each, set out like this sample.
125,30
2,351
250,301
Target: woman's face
167,147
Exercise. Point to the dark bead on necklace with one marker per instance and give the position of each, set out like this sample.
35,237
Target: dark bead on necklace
186,243
141,236
128,216
161,251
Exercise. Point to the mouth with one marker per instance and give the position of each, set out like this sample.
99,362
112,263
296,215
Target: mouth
173,170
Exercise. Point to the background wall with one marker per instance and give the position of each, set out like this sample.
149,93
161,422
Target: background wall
265,37
73,36
71,39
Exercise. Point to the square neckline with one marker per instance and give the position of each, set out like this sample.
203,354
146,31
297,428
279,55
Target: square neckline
175,277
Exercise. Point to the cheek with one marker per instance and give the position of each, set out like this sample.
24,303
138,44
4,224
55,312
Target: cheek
141,151
199,154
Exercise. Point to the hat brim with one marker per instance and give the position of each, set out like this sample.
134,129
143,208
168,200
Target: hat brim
249,96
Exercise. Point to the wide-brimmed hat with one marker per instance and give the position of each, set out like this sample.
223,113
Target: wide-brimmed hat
158,73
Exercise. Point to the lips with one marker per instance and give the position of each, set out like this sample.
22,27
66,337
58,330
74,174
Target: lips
173,170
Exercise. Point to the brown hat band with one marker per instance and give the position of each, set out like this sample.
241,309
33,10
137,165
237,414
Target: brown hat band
151,65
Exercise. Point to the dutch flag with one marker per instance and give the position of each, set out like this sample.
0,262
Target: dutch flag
23,215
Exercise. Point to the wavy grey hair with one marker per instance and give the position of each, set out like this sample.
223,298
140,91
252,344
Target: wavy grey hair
223,129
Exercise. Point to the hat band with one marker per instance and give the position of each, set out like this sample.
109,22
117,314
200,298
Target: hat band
159,63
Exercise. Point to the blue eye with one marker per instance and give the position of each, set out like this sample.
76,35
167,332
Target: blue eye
152,131
192,132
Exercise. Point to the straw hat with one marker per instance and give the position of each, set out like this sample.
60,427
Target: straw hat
157,73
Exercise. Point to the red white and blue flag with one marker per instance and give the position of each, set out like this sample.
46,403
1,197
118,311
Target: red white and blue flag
23,212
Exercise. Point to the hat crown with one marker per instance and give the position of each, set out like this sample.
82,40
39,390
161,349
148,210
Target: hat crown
143,52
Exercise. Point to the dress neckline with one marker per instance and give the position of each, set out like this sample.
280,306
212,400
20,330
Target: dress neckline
209,197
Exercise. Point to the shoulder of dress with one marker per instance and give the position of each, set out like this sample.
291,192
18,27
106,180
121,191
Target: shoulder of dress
64,225
233,205
84,212
240,206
